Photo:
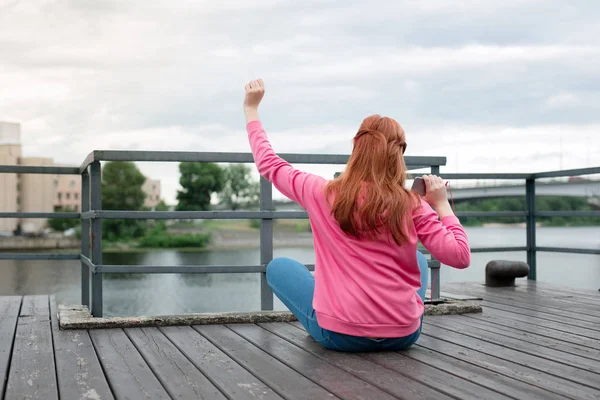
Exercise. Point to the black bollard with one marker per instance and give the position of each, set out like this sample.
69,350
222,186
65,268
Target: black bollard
499,273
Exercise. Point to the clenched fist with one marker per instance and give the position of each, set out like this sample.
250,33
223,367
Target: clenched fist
255,90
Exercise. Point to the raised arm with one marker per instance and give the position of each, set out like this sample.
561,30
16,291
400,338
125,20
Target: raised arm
441,232
293,183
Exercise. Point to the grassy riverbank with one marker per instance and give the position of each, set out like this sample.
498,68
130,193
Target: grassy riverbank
219,235
213,235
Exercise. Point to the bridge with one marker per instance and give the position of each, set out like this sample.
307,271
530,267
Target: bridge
590,189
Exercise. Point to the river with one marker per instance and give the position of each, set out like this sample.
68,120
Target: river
159,294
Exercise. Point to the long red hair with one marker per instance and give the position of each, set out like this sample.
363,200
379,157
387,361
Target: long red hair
370,194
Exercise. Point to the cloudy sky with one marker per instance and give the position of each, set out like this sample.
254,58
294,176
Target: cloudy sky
495,86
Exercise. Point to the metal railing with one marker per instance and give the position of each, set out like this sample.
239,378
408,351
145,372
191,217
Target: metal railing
91,216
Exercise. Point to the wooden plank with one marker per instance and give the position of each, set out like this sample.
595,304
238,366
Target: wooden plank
383,378
583,312
587,328
178,375
9,316
472,373
520,296
226,374
78,369
530,301
509,369
128,374
561,372
462,327
529,293
281,378
32,373
451,384
35,308
516,389
534,337
333,379
578,301
580,304
536,286
533,320
540,331
534,289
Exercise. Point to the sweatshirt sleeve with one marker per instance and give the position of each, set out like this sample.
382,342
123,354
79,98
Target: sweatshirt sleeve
445,239
292,183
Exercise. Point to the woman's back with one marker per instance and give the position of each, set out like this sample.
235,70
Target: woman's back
364,286
366,226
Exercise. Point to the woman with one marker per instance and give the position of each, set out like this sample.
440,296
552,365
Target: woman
369,284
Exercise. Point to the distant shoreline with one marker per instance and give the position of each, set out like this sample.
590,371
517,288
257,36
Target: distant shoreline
242,239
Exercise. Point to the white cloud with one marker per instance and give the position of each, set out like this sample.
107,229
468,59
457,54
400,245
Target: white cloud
422,61
492,85
562,100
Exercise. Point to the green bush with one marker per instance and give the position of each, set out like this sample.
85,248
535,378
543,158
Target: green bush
254,223
158,237
62,224
167,241
115,230
303,227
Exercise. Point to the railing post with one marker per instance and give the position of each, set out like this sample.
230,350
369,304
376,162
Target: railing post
85,238
531,245
266,242
96,200
434,267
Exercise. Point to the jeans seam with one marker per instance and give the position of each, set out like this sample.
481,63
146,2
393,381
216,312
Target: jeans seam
288,300
325,337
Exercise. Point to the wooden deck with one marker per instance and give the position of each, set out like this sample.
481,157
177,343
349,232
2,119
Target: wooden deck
532,342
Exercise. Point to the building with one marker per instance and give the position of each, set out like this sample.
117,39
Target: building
38,192
10,153
67,192
152,189
35,194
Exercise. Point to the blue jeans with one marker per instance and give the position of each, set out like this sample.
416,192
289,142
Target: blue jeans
294,285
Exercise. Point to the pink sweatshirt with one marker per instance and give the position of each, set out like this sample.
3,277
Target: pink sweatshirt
362,287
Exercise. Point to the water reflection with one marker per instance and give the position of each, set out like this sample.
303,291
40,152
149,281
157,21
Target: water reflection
154,294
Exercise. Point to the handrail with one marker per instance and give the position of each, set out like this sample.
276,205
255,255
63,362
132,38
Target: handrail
92,214
567,173
412,162
30,169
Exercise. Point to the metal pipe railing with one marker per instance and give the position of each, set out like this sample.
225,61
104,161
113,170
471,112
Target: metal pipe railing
96,237
530,208
92,215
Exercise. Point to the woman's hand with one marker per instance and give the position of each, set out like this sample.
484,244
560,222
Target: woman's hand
435,195
255,90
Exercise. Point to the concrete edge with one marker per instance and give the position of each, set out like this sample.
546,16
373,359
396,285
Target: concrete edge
79,317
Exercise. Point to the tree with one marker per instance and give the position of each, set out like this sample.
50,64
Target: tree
62,224
199,181
122,190
161,206
122,186
239,190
